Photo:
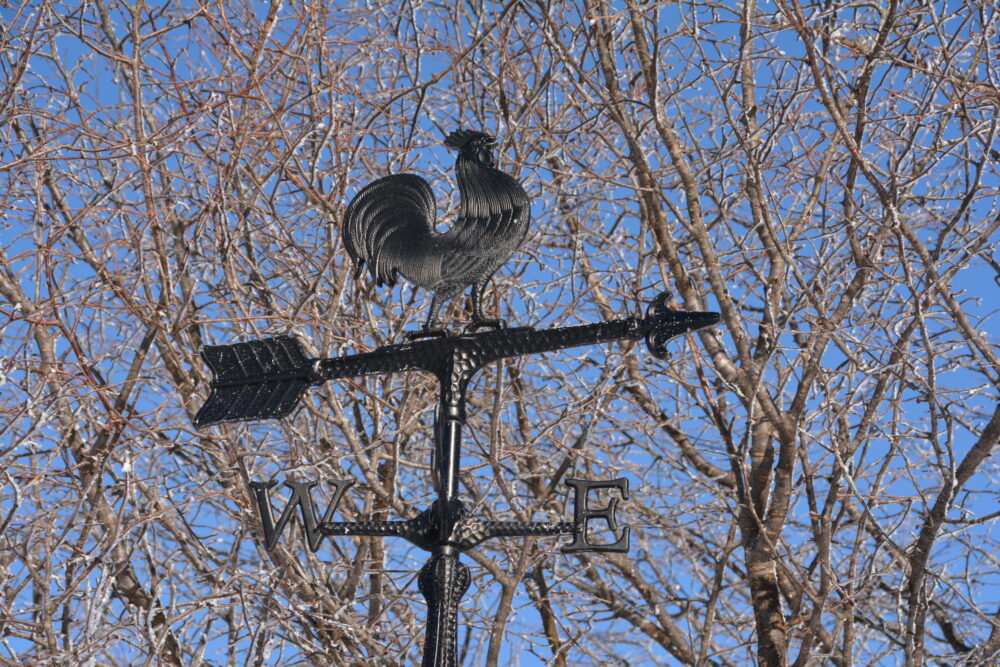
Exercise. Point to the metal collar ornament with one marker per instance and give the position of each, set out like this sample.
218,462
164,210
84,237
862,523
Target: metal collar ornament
389,227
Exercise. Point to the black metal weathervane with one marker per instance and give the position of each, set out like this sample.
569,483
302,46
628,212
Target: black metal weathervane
389,226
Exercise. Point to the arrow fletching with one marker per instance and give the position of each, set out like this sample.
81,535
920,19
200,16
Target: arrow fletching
260,379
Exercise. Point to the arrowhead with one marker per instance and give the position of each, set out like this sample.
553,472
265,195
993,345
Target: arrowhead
665,323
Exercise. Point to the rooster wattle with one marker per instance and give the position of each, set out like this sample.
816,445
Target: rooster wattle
389,226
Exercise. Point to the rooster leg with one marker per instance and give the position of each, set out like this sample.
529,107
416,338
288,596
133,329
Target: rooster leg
428,330
478,321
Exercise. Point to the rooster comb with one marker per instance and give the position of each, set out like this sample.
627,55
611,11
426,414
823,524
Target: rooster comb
460,138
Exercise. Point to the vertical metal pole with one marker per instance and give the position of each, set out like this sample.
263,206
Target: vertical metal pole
450,419
444,579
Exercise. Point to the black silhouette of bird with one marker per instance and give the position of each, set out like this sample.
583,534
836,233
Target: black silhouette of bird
390,227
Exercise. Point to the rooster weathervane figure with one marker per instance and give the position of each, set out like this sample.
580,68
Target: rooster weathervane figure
390,223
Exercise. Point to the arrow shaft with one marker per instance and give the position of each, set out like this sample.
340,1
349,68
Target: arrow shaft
477,350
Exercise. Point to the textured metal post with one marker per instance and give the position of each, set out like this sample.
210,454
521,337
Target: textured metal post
443,581
450,420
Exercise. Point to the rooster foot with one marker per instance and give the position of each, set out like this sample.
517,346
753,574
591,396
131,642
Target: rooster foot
424,332
477,324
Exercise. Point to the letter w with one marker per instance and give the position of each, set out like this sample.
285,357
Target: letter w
300,496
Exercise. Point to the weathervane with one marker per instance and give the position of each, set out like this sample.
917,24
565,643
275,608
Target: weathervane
389,226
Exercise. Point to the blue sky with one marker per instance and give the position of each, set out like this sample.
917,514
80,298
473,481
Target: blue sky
548,273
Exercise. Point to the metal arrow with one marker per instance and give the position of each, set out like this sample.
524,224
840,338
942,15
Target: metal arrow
264,379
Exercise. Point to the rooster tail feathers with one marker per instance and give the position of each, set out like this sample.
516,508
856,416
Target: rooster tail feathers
384,220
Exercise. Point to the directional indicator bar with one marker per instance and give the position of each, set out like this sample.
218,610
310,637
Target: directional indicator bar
443,524
466,534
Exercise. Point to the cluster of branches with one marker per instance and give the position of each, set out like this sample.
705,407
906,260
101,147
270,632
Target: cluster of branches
815,479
